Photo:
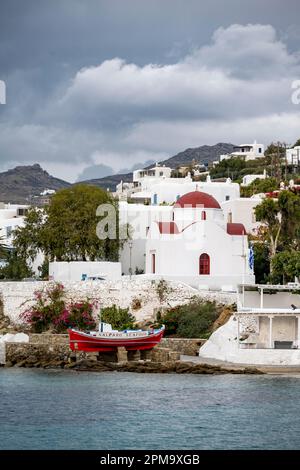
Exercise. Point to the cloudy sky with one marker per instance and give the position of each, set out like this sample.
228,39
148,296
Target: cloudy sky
95,86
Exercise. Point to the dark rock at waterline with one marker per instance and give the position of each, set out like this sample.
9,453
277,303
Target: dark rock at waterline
177,367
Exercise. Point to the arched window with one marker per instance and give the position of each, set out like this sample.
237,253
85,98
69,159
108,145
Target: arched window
204,264
203,215
153,262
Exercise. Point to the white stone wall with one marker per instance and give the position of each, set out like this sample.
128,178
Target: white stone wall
19,295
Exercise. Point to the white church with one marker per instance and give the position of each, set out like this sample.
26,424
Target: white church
198,246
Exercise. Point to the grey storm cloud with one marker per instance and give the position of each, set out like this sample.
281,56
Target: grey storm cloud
106,85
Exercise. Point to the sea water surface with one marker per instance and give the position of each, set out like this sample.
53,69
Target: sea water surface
81,410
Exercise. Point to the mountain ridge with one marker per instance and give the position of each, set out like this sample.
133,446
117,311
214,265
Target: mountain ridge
22,183
18,185
204,154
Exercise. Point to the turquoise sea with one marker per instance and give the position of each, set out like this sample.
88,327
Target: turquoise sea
81,410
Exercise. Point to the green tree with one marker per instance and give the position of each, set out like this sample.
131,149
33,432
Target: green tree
268,213
15,268
28,240
261,262
260,186
289,206
274,149
297,144
228,168
281,229
3,249
286,266
66,229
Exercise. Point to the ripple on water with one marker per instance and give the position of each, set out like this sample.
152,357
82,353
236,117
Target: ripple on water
69,410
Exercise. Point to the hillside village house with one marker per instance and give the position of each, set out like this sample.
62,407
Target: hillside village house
293,156
245,151
11,217
156,186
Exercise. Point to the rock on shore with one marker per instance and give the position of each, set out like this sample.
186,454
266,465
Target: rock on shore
178,367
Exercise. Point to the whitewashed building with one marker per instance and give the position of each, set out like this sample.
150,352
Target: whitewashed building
293,156
246,151
242,210
248,179
11,217
198,246
264,331
61,271
160,209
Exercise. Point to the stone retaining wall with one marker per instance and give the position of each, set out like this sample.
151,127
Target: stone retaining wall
124,293
186,346
59,354
50,339
36,355
50,349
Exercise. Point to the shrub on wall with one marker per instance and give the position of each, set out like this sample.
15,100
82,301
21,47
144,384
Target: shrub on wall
162,290
119,318
50,311
193,320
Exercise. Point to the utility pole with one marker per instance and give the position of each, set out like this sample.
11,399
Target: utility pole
278,163
285,170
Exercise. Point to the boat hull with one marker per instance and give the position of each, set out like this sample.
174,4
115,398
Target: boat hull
80,341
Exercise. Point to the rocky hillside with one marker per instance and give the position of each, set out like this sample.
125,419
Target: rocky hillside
204,154
20,184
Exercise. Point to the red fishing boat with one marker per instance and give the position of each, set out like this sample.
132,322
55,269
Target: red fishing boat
109,340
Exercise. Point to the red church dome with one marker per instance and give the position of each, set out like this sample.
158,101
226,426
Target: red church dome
197,199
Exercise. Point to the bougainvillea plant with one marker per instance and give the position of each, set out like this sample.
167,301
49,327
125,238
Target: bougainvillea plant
51,311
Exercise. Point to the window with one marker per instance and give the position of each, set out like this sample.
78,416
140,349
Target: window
203,215
161,173
229,217
227,198
204,264
155,199
21,212
153,262
259,150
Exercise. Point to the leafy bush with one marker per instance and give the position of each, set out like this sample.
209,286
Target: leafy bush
119,318
51,311
192,320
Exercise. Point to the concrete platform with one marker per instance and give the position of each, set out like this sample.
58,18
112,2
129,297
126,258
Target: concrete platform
267,369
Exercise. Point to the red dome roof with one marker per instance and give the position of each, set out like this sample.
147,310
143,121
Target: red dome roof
197,199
